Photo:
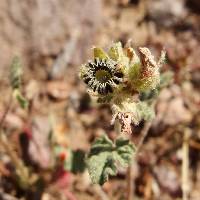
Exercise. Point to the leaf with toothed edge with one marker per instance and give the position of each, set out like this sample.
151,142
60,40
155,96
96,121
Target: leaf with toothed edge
104,157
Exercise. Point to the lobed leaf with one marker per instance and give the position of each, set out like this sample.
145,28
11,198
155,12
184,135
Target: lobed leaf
105,155
100,166
124,151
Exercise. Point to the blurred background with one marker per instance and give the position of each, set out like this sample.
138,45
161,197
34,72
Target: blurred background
53,38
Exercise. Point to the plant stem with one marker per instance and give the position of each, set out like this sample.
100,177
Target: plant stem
102,195
6,111
129,174
15,160
143,134
185,164
130,182
21,170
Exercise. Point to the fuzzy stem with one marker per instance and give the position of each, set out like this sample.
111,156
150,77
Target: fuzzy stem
143,134
130,174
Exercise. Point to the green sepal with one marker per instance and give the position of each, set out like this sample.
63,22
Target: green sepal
166,79
100,53
145,84
134,70
116,51
145,111
140,110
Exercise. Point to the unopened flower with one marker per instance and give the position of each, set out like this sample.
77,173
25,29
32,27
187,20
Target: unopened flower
147,75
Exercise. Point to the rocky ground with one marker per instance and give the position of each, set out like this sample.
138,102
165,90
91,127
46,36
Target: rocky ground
52,39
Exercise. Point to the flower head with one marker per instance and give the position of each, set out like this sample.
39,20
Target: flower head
119,76
102,75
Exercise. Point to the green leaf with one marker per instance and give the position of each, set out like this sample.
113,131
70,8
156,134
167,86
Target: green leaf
21,100
145,111
15,81
105,155
100,166
101,144
124,151
15,73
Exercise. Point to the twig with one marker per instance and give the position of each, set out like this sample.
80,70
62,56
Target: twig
101,193
185,164
130,182
144,132
6,111
3,139
21,170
